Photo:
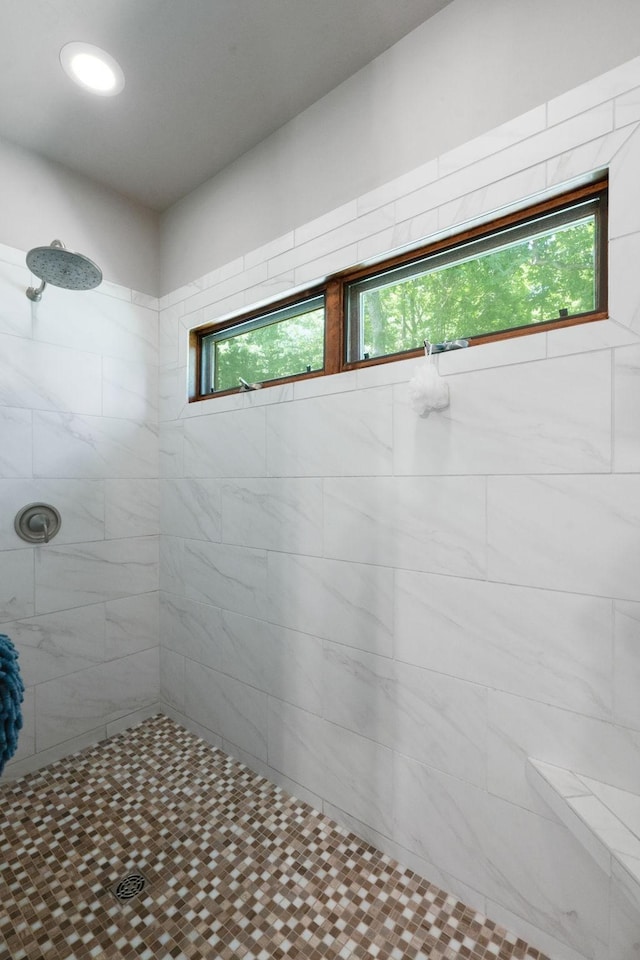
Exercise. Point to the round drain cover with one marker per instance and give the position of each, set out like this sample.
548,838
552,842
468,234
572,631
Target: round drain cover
130,886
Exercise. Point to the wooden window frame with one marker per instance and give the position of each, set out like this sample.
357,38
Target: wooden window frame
335,289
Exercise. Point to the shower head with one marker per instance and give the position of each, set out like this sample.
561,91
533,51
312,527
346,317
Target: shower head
59,266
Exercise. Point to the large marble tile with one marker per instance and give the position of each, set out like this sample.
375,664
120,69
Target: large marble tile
507,134
233,710
626,872
274,514
540,872
131,624
478,206
213,299
626,663
507,420
624,943
545,780
430,717
625,806
624,296
225,444
79,502
345,235
322,386
549,646
440,818
171,561
45,377
348,770
189,724
172,678
626,431
284,663
585,337
326,223
73,576
16,442
226,576
627,107
520,728
527,864
399,236
340,435
66,445
268,250
69,706
581,162
347,602
132,508
579,534
129,389
399,187
409,858
598,90
499,353
530,933
15,309
172,391
171,449
16,584
98,324
513,159
191,508
422,523
194,630
57,644
169,331
624,195
128,720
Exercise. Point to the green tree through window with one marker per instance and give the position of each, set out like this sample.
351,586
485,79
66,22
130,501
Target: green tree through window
523,283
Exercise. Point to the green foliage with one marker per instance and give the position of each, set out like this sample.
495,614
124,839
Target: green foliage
527,282
280,349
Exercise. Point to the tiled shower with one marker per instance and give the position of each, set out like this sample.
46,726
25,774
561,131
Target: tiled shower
383,614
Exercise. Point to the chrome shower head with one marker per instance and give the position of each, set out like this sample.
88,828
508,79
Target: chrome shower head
59,266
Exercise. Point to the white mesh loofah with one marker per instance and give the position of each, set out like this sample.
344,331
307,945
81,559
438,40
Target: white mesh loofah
428,391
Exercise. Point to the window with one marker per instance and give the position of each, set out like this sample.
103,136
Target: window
286,342
541,268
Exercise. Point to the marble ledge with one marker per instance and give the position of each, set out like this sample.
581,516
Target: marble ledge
603,818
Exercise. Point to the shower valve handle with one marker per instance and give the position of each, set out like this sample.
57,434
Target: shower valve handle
40,524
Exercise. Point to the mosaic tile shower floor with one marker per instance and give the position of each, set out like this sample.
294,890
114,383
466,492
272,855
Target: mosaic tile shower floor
236,868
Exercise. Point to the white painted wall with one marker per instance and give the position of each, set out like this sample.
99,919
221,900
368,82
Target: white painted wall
42,201
388,614
475,65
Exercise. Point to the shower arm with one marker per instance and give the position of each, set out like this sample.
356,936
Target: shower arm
35,293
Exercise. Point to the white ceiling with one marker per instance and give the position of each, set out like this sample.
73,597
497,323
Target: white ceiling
206,80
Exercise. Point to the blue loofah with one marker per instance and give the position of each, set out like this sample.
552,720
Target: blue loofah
11,696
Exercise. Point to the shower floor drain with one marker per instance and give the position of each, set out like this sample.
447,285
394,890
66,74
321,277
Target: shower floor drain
129,887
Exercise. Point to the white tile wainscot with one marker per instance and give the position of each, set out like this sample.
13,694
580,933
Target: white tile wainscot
603,818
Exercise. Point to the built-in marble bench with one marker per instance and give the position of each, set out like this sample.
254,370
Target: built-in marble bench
605,819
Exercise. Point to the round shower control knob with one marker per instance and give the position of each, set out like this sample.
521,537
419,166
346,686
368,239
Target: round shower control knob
37,522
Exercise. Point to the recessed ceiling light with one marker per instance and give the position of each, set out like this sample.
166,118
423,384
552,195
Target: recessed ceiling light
92,68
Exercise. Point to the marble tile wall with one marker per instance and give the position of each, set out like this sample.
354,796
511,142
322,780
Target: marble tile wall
79,429
387,614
